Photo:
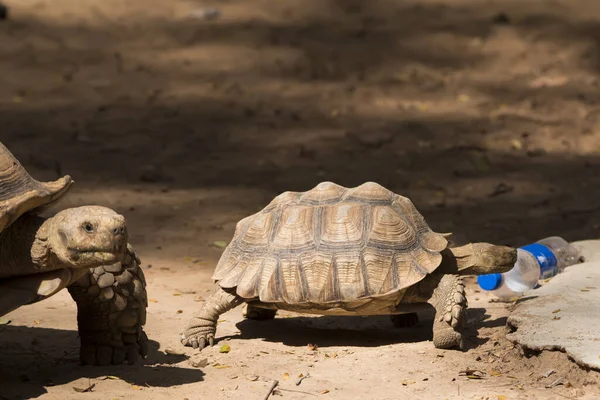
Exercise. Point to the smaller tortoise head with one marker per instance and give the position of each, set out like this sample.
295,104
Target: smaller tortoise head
83,237
483,258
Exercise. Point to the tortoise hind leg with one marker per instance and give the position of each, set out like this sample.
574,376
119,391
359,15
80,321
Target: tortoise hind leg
111,310
201,329
257,313
450,304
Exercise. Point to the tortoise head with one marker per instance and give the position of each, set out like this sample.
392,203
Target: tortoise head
483,258
82,237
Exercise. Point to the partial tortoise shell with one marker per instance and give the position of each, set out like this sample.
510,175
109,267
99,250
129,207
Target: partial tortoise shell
330,244
20,193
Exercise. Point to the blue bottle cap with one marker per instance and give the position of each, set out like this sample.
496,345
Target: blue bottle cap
489,281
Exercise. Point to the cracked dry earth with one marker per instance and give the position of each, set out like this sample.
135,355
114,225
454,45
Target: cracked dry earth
484,113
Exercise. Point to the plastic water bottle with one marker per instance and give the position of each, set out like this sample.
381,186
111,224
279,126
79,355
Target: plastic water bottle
540,260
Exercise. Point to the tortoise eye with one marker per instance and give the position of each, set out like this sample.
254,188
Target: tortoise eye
88,227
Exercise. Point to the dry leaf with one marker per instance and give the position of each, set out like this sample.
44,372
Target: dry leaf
555,318
179,311
221,244
472,373
312,347
406,383
501,397
5,321
225,349
585,290
198,298
87,389
556,311
221,366
136,387
325,391
114,378
493,372
286,376
35,321
176,294
153,301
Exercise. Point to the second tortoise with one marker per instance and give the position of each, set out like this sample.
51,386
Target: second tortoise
339,251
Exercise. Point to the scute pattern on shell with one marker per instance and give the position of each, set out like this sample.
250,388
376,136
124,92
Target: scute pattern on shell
20,193
330,244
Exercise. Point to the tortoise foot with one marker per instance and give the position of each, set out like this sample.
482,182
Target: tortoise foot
450,303
200,331
111,311
101,355
199,338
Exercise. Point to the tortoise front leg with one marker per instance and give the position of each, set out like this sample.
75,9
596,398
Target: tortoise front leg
201,329
111,310
450,305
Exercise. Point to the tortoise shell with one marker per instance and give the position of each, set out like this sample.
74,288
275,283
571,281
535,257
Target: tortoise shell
20,193
330,244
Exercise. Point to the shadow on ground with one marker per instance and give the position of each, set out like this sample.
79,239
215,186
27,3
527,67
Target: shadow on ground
54,360
371,331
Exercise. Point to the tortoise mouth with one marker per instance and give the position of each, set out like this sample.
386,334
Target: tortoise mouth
94,255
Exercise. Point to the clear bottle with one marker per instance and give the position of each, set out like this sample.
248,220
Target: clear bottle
540,260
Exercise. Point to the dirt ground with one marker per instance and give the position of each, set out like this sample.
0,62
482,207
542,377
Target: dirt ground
485,113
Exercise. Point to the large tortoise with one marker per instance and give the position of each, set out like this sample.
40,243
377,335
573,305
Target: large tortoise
83,249
339,251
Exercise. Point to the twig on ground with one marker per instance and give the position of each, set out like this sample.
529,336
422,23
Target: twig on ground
273,386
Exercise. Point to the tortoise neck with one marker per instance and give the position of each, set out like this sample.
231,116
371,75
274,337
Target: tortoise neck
18,243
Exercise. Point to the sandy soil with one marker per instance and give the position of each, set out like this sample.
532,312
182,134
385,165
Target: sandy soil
485,113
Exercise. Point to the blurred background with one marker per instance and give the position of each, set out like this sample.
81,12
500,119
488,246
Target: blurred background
188,115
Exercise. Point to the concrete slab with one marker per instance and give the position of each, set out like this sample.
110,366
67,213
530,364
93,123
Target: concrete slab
564,314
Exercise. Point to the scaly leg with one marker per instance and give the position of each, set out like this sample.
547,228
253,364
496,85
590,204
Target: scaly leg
450,304
257,313
111,310
201,329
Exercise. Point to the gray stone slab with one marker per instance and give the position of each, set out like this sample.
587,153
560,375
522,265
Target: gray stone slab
575,328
